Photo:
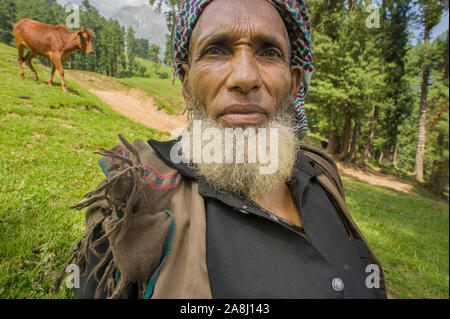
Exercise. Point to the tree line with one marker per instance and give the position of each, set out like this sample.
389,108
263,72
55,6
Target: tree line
375,95
116,48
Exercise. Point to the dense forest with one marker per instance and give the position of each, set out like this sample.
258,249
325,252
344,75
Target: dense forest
378,97
375,95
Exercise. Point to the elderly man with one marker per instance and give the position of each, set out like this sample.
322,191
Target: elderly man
168,223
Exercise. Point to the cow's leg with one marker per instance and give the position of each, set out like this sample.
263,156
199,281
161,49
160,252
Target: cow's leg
52,73
20,59
58,65
28,59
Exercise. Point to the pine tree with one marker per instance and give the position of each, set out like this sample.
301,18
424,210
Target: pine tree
143,48
429,15
154,53
396,92
171,19
438,125
8,13
131,50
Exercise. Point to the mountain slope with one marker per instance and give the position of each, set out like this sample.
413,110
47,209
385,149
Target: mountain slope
146,23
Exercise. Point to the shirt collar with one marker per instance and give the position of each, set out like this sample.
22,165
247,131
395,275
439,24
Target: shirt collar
163,149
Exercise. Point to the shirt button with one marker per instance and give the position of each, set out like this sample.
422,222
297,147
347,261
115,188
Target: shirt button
337,284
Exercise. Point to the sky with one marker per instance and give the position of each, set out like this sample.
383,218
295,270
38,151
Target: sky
110,7
437,30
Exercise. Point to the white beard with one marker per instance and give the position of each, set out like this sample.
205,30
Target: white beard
253,176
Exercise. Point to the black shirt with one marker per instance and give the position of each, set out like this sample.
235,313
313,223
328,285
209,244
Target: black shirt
251,253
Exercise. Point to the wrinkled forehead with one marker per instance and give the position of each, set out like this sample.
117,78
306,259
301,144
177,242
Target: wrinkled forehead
233,19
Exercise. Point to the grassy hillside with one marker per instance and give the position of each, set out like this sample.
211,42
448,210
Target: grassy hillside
46,164
152,66
47,139
165,95
409,234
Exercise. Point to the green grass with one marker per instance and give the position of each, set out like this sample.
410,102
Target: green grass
165,95
150,66
47,139
410,236
46,165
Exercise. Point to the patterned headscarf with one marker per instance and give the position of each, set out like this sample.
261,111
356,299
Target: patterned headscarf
296,19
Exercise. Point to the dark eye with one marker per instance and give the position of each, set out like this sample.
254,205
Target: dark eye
271,53
213,51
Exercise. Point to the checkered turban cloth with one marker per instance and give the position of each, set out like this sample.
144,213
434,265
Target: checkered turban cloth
296,19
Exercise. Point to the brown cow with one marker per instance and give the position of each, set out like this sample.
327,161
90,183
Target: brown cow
50,41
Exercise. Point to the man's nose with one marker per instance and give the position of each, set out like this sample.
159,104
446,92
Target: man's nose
245,74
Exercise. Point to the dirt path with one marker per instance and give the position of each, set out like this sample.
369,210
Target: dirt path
140,108
376,179
132,103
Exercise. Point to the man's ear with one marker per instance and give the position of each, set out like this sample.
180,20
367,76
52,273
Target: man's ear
186,87
296,79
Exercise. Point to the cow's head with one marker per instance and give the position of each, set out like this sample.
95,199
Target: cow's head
86,38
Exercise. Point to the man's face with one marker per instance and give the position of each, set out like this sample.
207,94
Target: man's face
239,66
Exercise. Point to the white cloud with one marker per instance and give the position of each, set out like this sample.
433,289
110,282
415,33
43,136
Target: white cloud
107,7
